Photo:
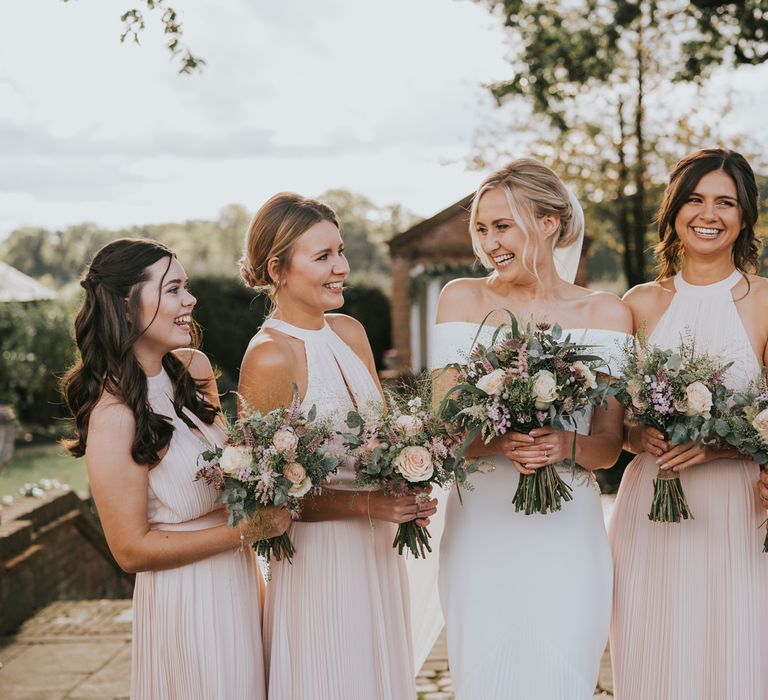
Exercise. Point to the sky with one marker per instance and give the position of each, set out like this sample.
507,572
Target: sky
381,98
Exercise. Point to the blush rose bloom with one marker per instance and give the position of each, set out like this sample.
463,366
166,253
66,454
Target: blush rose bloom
699,400
760,424
408,425
235,458
414,463
294,472
492,383
589,377
544,389
285,440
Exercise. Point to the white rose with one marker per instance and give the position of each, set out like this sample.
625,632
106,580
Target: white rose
760,423
492,383
233,459
544,389
414,463
586,373
408,425
294,472
699,400
298,490
285,440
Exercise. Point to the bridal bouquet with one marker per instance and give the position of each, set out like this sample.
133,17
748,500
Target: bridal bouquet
748,422
680,393
526,379
406,450
271,460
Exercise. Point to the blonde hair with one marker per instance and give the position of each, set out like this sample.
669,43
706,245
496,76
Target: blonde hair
532,191
274,229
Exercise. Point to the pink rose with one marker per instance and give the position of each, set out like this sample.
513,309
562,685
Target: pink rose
294,472
285,440
414,463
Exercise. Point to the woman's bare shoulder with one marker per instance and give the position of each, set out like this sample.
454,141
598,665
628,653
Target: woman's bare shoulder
459,299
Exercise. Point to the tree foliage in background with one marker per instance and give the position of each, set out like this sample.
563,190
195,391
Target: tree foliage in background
36,349
603,74
205,248
134,24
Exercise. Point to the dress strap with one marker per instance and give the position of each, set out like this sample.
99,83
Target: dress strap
721,288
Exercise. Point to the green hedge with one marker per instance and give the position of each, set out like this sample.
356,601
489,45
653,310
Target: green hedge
229,314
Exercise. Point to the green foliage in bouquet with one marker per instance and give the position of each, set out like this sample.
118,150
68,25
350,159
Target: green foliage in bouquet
680,392
271,459
525,379
406,448
748,421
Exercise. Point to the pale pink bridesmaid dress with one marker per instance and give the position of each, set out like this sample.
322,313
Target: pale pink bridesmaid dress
690,616
336,621
196,628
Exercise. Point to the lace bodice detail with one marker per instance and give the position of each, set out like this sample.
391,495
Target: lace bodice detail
709,314
337,379
174,495
453,341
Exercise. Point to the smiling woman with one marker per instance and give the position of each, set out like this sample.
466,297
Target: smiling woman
345,592
145,404
681,589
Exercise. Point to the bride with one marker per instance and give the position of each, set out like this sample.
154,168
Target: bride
527,598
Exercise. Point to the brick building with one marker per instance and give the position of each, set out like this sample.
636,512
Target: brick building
423,258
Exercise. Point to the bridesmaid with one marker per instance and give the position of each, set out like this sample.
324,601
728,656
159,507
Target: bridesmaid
336,620
690,615
145,405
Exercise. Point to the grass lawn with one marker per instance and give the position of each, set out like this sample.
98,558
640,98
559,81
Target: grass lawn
30,464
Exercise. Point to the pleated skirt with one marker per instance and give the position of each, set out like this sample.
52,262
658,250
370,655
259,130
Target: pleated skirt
526,598
336,621
690,617
197,628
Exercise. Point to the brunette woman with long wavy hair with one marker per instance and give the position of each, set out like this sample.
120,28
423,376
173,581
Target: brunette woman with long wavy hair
145,406
690,619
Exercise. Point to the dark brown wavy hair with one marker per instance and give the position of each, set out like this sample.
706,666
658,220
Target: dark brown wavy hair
682,182
105,337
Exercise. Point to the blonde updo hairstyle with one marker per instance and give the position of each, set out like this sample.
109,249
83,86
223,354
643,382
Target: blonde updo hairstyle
532,191
272,232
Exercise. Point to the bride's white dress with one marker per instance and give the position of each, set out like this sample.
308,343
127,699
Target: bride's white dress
526,598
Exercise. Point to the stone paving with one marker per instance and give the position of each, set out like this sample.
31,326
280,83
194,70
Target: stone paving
81,650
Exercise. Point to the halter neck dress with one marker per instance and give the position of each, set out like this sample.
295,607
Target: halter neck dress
196,628
336,621
690,618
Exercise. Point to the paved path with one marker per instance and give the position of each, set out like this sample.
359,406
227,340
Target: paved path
81,650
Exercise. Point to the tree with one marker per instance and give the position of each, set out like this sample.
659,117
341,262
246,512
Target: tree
602,73
134,24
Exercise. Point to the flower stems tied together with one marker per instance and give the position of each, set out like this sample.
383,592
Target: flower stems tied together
413,536
669,504
542,492
277,547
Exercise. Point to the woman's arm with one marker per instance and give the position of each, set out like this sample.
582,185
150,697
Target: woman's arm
119,486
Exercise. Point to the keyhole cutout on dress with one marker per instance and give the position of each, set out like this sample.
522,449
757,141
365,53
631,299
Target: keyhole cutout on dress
346,384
